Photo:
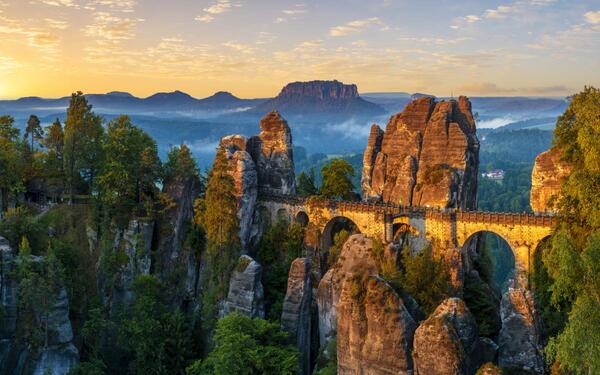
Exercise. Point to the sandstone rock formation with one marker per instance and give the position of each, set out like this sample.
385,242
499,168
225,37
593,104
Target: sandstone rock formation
428,155
546,178
322,97
262,163
375,330
448,341
246,294
520,338
60,355
355,257
296,315
273,156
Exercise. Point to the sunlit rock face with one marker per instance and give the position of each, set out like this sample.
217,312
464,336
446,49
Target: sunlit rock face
375,330
427,156
448,341
520,338
546,178
246,293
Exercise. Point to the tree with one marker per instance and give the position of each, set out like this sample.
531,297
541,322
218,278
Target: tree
306,184
131,168
337,180
83,135
33,130
11,161
180,164
573,259
54,164
248,346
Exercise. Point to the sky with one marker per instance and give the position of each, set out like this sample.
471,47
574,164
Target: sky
252,48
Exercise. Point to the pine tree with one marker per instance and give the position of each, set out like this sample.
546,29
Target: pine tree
306,184
33,130
337,180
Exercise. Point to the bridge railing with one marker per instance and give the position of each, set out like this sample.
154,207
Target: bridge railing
538,219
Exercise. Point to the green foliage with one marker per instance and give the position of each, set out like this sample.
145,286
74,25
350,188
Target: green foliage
89,368
33,130
11,160
83,135
306,184
327,360
425,278
130,171
509,195
159,339
248,346
19,223
279,246
573,260
180,164
337,180
481,302
334,251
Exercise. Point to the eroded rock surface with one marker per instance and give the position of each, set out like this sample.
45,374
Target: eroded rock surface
355,257
375,330
246,293
546,177
296,315
448,341
428,155
520,338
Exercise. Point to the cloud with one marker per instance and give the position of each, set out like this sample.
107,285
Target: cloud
111,28
472,18
8,63
500,12
114,5
492,88
592,17
219,7
58,3
355,26
56,24
291,12
243,48
205,18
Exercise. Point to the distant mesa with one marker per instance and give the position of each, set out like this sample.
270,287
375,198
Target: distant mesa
298,98
119,94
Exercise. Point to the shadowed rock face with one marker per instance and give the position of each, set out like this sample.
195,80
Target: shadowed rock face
375,330
546,177
448,341
296,315
246,293
428,155
520,339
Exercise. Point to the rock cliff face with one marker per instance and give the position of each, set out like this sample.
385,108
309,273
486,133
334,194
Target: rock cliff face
520,338
355,257
273,156
375,330
296,315
60,355
448,341
324,97
261,163
428,155
246,294
546,177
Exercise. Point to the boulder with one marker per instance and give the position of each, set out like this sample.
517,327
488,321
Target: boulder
427,156
355,257
546,178
375,330
448,341
520,338
296,315
246,294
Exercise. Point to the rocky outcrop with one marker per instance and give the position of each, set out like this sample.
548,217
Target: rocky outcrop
448,341
355,257
246,294
59,356
296,315
546,178
520,338
322,97
273,156
375,330
427,156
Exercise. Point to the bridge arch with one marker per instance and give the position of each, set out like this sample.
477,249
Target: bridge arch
500,254
302,218
334,226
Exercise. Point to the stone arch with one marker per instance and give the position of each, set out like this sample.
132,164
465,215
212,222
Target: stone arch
335,225
405,234
302,218
264,215
506,257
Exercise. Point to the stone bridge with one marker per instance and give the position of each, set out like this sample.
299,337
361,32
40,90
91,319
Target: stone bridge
444,228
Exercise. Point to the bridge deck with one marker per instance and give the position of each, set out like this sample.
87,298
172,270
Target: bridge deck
546,219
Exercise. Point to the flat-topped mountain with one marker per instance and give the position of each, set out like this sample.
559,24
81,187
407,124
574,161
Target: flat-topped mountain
333,97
